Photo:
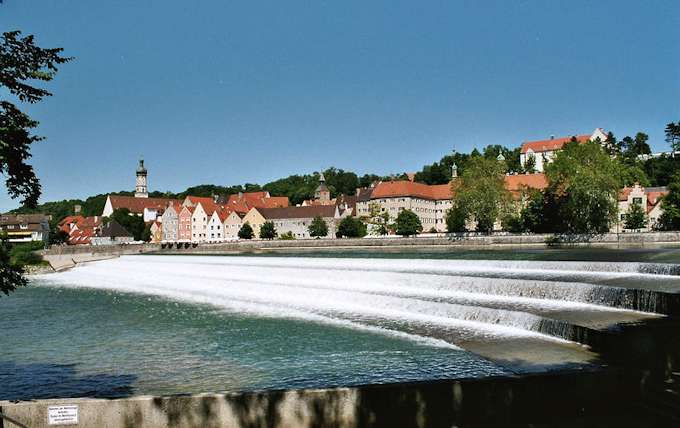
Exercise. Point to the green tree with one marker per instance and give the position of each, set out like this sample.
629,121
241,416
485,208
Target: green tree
673,136
455,220
636,217
21,64
57,236
408,223
318,228
670,219
134,224
287,236
530,164
351,227
246,231
480,193
532,215
634,147
11,274
267,230
146,233
584,182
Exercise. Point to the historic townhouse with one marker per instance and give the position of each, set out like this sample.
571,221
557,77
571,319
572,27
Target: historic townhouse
170,223
231,225
184,231
429,202
543,151
650,200
295,220
199,222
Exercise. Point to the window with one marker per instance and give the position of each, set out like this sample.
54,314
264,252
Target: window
637,201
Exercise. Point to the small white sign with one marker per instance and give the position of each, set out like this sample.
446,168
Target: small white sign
62,415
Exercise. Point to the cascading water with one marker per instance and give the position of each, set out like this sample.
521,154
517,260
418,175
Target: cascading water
206,323
472,304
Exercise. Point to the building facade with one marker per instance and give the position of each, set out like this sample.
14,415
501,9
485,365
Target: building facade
650,200
543,151
25,227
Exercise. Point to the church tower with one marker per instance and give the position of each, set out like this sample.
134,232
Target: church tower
141,189
322,193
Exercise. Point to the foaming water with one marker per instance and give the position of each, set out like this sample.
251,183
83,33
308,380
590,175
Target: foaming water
170,324
464,303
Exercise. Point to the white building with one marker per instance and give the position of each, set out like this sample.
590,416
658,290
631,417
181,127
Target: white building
543,151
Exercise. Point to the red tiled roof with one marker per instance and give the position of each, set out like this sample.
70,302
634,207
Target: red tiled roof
137,205
395,189
243,202
516,183
551,144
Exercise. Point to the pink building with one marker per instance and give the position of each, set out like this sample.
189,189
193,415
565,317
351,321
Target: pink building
184,233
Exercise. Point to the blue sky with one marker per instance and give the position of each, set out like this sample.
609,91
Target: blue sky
230,92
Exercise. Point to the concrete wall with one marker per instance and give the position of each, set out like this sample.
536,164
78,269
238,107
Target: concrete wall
563,397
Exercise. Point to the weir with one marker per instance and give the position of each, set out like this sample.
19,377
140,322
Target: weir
522,318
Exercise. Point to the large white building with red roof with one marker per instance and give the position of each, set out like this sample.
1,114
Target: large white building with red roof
429,202
543,151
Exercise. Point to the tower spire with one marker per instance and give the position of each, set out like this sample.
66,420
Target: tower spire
141,184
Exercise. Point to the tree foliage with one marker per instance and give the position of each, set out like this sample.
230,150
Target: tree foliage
351,227
318,228
246,231
480,194
583,186
21,63
267,230
636,217
670,219
408,223
673,135
134,224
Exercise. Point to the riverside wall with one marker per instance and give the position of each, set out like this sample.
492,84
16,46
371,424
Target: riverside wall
63,257
569,398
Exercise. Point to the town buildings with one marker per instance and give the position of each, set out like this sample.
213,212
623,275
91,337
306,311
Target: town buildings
543,151
216,219
25,227
93,230
295,220
650,200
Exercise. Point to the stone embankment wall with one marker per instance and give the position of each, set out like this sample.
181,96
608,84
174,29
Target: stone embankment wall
500,401
66,256
63,257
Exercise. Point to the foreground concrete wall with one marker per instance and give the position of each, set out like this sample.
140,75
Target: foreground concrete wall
498,401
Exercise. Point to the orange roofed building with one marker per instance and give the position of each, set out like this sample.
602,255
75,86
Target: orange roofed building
243,202
429,202
543,151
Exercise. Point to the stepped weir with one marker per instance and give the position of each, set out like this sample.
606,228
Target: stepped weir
593,335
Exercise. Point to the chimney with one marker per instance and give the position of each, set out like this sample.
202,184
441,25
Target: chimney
215,198
240,195
76,209
552,136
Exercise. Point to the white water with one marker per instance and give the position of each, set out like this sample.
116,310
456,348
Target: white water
438,301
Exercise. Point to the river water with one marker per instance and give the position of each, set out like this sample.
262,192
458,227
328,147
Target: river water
189,324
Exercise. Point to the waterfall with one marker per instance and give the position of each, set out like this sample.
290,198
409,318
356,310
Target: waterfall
458,302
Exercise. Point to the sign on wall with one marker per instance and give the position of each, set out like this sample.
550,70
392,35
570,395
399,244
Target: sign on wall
66,414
